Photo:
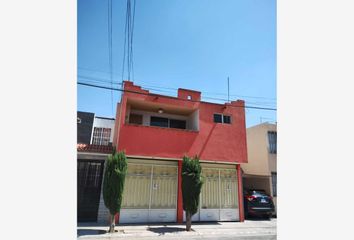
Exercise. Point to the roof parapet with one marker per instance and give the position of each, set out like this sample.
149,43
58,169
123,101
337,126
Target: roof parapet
189,94
129,86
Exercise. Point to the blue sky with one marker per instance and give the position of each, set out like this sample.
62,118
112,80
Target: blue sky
193,44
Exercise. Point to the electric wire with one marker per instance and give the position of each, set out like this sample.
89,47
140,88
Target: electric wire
128,62
206,96
130,91
110,49
147,84
171,92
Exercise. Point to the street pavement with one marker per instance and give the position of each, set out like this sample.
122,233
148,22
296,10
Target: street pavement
250,229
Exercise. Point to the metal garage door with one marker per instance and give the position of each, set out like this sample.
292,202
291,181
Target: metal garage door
219,196
219,199
89,179
150,193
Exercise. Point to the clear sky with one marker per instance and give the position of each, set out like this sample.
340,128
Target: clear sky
193,44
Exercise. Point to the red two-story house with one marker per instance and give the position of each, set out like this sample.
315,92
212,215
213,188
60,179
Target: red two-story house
156,131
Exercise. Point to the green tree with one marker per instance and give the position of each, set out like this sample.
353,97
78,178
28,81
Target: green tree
113,183
192,182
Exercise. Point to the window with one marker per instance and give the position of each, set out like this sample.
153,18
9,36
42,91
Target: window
272,138
274,183
227,119
101,136
220,118
168,123
159,122
136,119
181,124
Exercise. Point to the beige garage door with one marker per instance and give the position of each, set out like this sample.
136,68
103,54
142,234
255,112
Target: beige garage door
219,196
150,193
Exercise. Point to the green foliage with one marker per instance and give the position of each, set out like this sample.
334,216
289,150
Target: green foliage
192,182
113,182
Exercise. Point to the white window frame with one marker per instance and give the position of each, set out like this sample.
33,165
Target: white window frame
222,118
99,138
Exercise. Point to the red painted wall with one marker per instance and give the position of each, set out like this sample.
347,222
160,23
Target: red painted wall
213,141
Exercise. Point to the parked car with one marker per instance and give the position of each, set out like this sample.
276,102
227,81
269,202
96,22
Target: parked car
257,203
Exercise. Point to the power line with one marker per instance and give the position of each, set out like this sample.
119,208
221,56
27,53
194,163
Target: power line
130,91
171,88
125,38
212,93
128,41
98,80
110,56
131,42
172,92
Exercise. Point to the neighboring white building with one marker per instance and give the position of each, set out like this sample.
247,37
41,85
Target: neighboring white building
102,131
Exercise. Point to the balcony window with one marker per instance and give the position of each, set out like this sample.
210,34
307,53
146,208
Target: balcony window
174,123
168,123
159,122
136,119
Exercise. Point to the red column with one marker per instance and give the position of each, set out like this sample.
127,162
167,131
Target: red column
116,218
240,193
179,195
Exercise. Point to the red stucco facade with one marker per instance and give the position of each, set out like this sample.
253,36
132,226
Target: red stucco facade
213,142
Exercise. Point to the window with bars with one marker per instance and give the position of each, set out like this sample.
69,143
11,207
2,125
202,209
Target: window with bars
272,139
101,136
274,183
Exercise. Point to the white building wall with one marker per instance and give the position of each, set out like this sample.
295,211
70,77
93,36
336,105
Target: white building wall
193,121
103,123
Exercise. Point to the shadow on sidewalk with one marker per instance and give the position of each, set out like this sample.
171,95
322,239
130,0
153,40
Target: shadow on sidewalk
164,230
257,218
81,232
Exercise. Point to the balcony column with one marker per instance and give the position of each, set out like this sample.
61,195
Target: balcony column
179,195
240,193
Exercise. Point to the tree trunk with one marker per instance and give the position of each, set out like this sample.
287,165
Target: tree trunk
111,227
188,221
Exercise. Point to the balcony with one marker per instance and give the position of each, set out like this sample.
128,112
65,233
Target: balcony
140,140
158,130
161,116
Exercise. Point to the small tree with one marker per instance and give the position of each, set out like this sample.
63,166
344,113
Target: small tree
113,184
192,182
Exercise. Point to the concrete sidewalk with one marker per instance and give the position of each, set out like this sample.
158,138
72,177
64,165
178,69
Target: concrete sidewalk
250,229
